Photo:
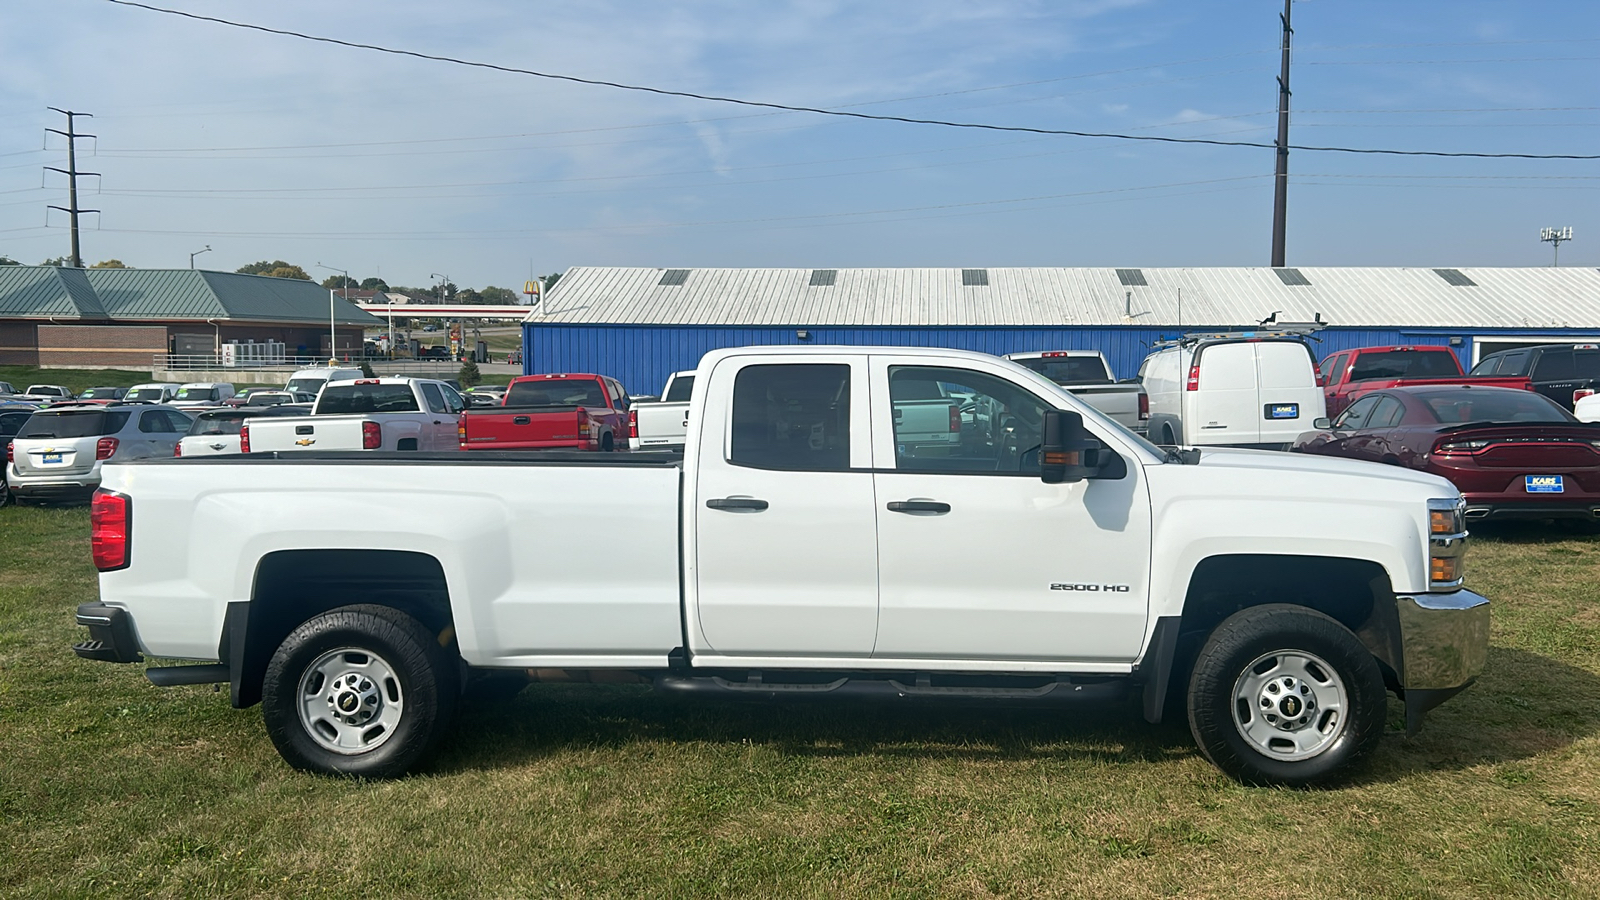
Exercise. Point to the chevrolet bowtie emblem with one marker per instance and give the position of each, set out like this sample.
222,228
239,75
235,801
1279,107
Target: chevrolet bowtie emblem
306,442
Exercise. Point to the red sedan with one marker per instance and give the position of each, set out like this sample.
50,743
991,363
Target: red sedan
1513,454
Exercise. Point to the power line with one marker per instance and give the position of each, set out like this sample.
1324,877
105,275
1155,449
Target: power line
821,111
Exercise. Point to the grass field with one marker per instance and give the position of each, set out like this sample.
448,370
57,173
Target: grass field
76,379
112,787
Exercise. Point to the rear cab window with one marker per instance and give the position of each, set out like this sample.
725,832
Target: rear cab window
678,391
1389,364
353,398
1069,369
585,392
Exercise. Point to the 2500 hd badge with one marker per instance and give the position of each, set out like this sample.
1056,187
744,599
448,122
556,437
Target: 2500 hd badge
1108,588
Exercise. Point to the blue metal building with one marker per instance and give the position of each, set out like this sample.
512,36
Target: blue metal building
640,324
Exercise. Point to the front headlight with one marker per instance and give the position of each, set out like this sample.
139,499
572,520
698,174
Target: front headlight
1447,543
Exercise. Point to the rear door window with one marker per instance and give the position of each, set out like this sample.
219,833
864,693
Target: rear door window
1387,413
1513,363
792,417
1356,416
1555,365
436,403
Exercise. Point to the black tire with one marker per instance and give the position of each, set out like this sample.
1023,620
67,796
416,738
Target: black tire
413,712
5,494
605,443
1268,653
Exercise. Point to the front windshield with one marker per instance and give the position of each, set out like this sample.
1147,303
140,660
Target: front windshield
308,385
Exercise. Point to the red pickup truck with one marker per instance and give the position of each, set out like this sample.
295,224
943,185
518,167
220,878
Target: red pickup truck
1348,374
549,412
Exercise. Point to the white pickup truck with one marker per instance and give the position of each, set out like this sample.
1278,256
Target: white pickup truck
793,552
1087,374
366,414
662,424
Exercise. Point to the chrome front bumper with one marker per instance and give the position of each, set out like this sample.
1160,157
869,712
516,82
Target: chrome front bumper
1444,642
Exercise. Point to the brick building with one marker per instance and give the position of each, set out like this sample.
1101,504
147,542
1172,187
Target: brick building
95,318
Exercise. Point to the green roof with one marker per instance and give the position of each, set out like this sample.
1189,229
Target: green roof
134,295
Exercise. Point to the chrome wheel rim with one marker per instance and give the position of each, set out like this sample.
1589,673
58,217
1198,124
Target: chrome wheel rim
350,701
1290,705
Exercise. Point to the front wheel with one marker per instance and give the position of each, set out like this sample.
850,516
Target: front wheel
1285,695
359,690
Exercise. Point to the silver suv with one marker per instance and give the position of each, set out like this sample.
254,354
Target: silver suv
57,453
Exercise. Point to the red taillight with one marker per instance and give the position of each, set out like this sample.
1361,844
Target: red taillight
1581,393
1194,378
1321,382
110,521
244,437
11,455
1144,406
177,449
955,418
104,447
583,421
461,430
372,435
633,424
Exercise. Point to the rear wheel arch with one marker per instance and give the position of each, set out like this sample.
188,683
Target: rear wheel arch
292,587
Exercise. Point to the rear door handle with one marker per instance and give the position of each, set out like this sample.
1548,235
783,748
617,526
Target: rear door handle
933,506
519,420
737,503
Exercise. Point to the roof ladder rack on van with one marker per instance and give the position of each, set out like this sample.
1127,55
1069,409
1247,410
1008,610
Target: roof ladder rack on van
1270,328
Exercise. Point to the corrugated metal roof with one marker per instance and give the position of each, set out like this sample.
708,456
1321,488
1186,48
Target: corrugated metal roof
1355,297
165,294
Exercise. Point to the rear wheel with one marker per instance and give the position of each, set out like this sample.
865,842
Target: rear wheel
605,443
1285,695
360,690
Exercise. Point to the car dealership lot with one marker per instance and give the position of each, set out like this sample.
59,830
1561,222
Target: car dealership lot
112,785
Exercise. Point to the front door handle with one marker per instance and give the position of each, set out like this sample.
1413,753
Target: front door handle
749,503
933,506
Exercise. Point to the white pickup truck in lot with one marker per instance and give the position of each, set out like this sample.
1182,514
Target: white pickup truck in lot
1085,373
794,552
366,414
662,424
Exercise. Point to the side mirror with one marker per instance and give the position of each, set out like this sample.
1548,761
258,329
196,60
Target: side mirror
1322,424
1067,453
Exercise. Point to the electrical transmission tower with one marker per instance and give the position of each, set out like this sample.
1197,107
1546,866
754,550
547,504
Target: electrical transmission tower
72,173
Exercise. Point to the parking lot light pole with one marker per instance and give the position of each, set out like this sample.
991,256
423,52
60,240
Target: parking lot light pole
197,253
333,334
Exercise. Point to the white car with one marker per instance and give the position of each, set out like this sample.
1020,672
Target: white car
215,432
1587,409
154,392
58,453
1255,390
202,394
796,551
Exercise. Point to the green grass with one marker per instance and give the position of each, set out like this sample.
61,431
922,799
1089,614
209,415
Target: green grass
75,379
112,787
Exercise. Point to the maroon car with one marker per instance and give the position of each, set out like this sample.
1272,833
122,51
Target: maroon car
1513,454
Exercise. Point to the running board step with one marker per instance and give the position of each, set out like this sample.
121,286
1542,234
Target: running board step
1060,691
171,676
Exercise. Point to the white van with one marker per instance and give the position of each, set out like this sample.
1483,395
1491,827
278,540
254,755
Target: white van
1232,391
311,381
202,393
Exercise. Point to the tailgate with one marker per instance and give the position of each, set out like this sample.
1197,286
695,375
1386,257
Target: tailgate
1119,401
500,426
661,424
308,433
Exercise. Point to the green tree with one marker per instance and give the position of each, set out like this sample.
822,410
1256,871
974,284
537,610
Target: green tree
109,264
335,282
275,269
8,261
468,295
366,370
59,262
469,374
492,294
373,284
551,279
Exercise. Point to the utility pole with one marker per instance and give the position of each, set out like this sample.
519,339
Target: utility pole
72,173
1280,179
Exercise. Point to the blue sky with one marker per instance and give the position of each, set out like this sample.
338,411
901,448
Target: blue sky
268,147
